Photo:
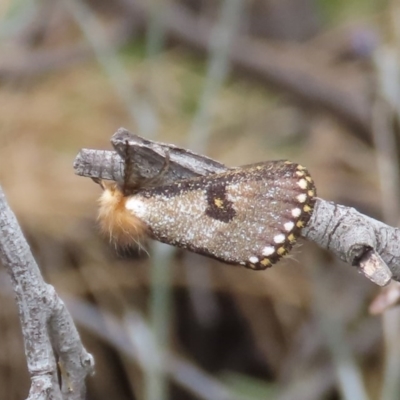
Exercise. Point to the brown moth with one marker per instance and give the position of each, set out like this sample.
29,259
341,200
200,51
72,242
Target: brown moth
250,215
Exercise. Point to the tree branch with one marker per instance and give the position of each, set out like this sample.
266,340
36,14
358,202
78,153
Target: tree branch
361,241
45,322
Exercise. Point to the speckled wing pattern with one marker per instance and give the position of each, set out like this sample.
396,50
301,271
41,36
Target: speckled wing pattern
250,216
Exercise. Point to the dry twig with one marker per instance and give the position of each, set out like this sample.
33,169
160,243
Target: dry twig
47,326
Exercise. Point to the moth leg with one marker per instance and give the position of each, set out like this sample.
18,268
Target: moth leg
132,178
157,179
98,181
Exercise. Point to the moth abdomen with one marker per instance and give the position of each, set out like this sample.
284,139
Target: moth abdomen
250,216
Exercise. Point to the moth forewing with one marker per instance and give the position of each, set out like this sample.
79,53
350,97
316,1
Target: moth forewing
250,216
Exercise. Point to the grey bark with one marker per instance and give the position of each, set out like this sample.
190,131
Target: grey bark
47,326
357,239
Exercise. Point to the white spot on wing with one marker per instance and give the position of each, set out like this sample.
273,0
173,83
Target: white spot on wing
302,183
288,226
279,238
136,206
296,212
267,251
253,259
302,198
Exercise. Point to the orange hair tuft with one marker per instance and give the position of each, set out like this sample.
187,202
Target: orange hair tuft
123,227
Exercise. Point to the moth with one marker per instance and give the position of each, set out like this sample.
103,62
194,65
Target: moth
251,215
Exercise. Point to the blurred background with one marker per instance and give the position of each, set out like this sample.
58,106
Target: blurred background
242,81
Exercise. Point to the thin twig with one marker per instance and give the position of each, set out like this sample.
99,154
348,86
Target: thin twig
46,323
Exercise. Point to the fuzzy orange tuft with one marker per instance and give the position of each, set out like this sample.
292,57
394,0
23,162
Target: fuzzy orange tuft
123,227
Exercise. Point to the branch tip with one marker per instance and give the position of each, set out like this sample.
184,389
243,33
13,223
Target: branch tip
374,268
